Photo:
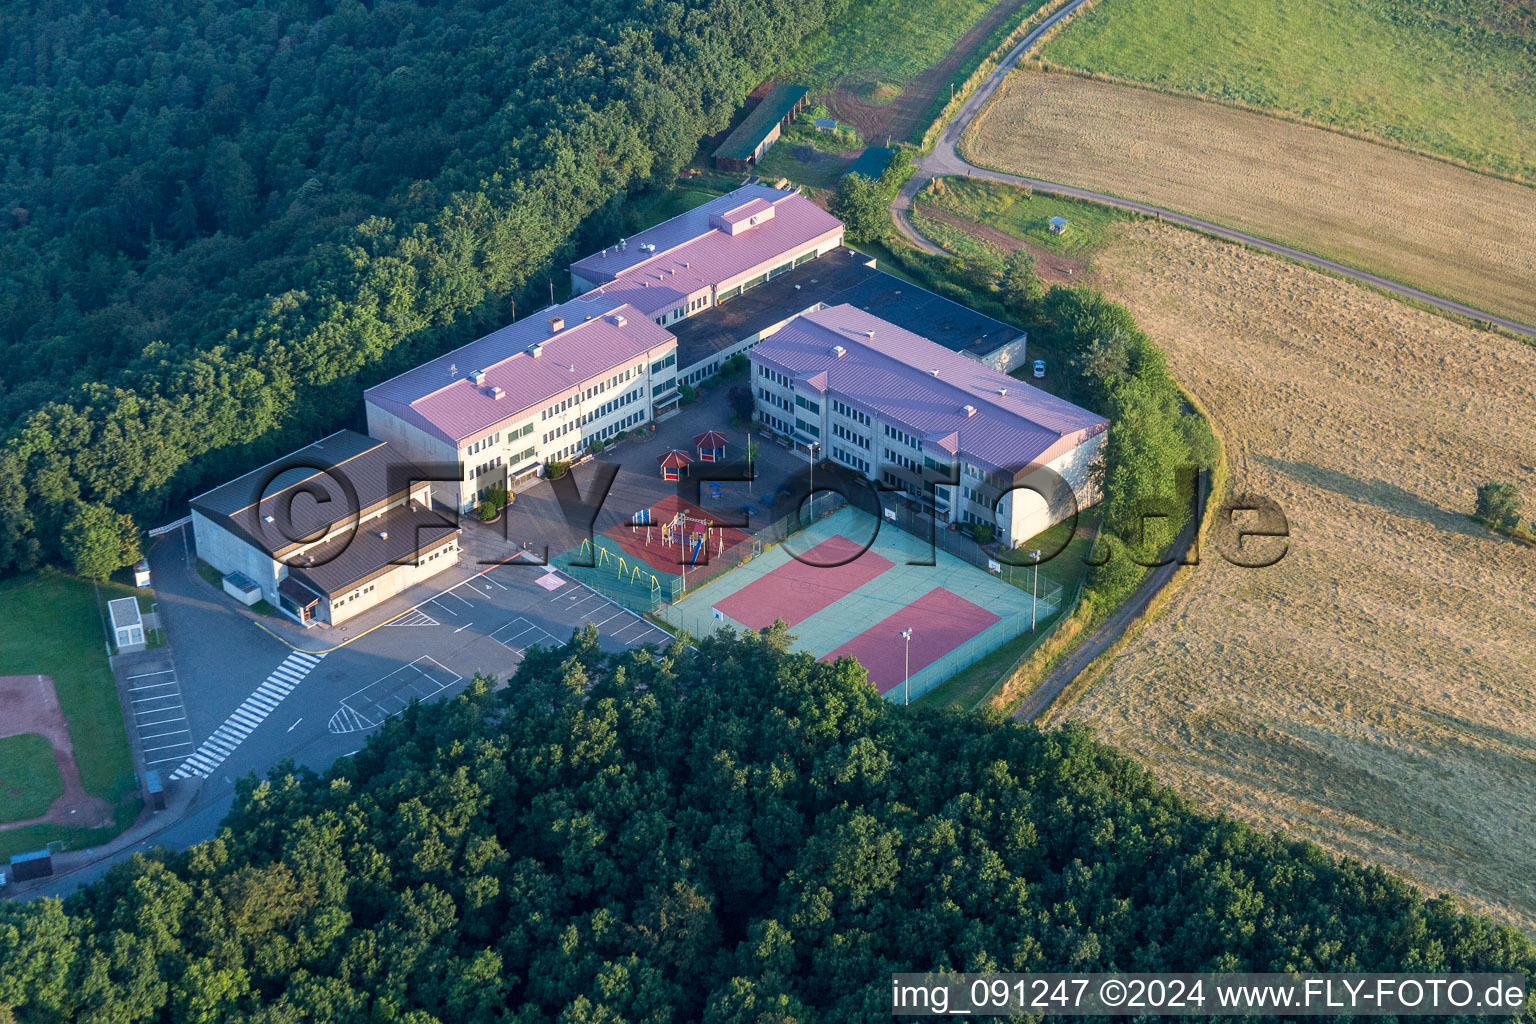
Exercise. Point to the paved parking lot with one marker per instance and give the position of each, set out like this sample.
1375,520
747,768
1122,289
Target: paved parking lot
156,711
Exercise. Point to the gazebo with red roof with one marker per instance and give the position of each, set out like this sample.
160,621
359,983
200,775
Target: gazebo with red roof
673,463
711,446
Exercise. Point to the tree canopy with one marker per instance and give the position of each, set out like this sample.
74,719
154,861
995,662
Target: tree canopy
219,219
732,833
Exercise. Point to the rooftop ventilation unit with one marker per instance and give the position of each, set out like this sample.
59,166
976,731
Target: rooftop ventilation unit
478,377
969,410
536,350
934,372
869,334
573,367
556,324
498,394
623,244
618,320
837,351
1002,391
383,535
268,519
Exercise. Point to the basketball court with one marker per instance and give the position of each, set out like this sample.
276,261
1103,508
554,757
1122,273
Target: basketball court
847,586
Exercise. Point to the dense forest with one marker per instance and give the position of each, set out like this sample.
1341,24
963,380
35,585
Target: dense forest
218,218
729,834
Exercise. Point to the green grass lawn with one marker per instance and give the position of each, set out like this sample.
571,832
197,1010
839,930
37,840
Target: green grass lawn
29,777
1456,77
53,627
1090,226
884,41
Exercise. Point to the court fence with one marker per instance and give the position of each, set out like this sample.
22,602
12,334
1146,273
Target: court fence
632,583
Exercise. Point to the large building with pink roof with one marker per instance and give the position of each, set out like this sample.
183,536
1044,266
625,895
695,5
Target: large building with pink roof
710,254
920,419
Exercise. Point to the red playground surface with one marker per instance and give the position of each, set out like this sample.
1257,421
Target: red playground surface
940,622
795,591
651,543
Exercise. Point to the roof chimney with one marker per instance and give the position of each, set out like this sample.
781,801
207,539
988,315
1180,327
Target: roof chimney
969,410
869,334
618,320
934,372
536,350
498,394
556,324
478,376
838,350
383,535
1002,391
623,244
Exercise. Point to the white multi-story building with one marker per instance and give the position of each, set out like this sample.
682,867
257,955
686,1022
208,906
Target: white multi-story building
949,431
538,391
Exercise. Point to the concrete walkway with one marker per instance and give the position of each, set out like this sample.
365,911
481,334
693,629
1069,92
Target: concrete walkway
945,160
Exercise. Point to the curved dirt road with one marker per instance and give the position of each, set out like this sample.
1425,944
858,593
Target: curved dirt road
946,160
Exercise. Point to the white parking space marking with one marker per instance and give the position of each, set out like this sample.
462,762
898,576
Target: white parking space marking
156,712
250,714
520,634
391,694
414,617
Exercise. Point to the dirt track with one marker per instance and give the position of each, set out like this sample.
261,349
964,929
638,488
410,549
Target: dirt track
1052,268
31,705
905,115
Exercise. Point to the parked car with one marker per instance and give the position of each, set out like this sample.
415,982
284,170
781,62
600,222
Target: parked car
1039,368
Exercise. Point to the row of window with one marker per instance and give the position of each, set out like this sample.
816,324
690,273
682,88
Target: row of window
482,444
847,458
485,467
807,428
838,430
901,435
661,364
808,405
849,412
773,399
895,458
773,375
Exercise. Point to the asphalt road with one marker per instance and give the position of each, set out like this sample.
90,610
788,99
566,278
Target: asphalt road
946,160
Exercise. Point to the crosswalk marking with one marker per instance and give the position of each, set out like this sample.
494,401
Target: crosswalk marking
250,714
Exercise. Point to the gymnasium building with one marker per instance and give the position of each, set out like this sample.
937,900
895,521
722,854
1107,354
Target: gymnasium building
326,532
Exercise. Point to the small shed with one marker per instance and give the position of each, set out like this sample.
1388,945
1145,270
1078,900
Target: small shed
673,464
141,574
242,588
746,145
30,865
1058,225
127,625
154,789
711,446
826,125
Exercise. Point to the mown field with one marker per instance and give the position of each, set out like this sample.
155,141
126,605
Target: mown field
888,66
1456,77
1376,690
1420,221
53,627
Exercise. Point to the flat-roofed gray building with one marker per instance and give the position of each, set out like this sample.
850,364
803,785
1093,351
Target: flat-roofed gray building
327,531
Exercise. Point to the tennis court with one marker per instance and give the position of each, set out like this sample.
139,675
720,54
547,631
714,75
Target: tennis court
847,586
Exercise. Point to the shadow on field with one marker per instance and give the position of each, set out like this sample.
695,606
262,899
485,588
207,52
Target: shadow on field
1380,493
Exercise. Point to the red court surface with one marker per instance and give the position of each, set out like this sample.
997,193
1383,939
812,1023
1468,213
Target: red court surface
940,622
795,591
670,558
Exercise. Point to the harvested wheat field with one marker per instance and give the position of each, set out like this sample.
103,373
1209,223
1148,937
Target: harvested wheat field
1415,219
1376,690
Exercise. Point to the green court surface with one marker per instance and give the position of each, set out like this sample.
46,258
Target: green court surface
851,607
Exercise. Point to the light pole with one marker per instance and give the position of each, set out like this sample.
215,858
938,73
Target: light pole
906,685
1034,595
811,446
